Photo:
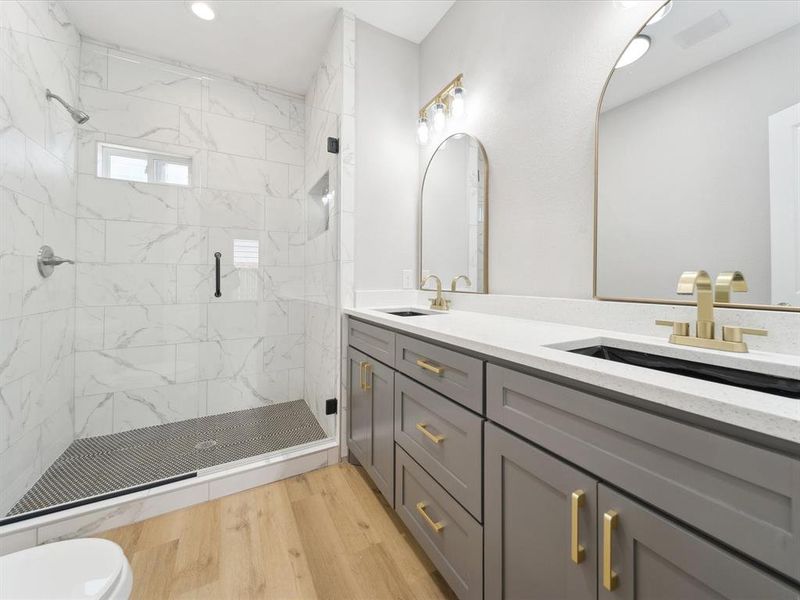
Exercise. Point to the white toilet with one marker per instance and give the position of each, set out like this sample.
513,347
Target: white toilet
84,569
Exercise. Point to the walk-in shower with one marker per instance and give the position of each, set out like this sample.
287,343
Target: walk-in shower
193,321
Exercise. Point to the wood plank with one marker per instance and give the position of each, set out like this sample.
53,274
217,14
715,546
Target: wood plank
325,534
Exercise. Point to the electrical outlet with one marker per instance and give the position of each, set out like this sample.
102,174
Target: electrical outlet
408,279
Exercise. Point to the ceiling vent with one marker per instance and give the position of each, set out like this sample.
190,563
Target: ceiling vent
702,30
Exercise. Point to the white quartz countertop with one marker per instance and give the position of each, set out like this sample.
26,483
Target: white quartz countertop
542,345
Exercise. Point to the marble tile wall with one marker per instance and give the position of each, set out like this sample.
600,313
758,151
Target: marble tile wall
39,49
153,344
330,106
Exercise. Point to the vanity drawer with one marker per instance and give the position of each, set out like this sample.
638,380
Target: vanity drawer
443,437
451,538
743,495
375,341
455,375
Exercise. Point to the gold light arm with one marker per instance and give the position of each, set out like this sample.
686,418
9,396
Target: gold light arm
442,94
727,282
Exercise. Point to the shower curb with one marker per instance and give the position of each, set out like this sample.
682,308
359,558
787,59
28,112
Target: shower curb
210,484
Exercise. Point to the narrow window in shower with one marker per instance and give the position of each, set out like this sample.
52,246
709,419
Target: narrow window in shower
136,164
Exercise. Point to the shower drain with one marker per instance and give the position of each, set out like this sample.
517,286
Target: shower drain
205,445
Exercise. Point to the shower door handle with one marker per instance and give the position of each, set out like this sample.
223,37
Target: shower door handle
217,256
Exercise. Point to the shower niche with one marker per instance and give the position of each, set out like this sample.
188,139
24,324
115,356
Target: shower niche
319,206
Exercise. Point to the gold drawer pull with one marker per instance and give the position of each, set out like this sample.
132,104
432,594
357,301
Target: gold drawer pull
367,377
436,439
610,578
577,551
364,373
436,526
421,362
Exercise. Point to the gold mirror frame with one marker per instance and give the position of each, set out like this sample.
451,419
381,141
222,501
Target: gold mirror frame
596,207
485,218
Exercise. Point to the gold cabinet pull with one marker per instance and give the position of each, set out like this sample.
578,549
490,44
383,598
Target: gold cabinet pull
437,526
577,551
421,362
361,374
610,578
367,377
436,439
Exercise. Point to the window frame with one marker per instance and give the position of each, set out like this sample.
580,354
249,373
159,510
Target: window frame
155,163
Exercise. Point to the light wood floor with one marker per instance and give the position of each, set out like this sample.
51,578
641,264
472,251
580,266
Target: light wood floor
326,534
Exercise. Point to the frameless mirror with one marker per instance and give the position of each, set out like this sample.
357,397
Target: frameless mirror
453,209
698,155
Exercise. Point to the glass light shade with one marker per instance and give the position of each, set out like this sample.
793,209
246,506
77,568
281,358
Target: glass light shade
439,118
662,12
423,135
203,11
635,50
457,104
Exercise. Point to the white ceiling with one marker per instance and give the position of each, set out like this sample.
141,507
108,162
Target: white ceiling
275,42
750,22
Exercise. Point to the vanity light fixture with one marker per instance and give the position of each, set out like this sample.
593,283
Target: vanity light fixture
662,12
423,135
439,118
202,11
635,50
448,102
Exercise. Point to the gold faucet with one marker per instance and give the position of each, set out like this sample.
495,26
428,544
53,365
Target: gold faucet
727,282
704,327
455,282
439,302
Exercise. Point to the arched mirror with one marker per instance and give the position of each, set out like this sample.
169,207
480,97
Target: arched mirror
698,160
453,210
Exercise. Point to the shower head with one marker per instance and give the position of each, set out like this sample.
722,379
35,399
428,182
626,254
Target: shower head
78,116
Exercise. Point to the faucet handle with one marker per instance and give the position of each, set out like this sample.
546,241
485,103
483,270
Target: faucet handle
734,334
678,327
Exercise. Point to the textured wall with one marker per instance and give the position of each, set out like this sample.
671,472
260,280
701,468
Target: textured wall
153,344
387,180
39,48
533,73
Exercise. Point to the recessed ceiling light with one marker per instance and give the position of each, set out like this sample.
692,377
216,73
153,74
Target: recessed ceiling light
662,12
203,11
635,50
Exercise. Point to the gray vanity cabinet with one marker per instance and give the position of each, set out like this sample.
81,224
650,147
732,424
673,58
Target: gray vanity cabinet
652,558
370,433
539,526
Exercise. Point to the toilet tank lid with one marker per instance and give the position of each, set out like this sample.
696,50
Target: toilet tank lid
73,570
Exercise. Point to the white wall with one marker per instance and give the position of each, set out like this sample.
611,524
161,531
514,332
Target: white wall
39,48
533,72
684,175
387,178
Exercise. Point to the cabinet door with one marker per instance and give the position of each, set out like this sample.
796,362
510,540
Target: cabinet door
539,523
648,557
359,409
370,434
380,383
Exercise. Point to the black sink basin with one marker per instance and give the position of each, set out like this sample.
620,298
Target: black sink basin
770,384
407,313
